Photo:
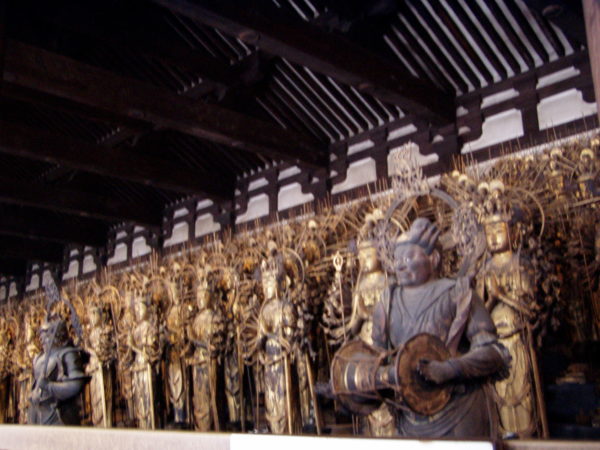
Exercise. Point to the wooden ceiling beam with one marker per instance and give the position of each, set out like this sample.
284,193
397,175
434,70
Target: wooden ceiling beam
124,164
20,248
148,45
39,70
328,54
38,224
79,203
13,267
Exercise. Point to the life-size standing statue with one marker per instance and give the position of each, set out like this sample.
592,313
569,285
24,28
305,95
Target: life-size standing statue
144,341
6,347
176,320
101,347
27,348
506,287
426,315
59,378
370,284
277,320
206,335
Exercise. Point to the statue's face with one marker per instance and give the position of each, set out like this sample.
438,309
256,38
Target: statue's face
367,258
270,287
203,297
94,316
141,311
46,336
496,235
413,266
227,281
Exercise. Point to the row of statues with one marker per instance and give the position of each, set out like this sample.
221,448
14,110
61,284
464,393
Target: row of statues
417,313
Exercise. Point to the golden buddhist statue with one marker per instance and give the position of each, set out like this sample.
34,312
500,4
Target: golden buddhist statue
277,321
177,318
505,283
6,347
125,320
100,345
27,347
144,341
226,289
206,335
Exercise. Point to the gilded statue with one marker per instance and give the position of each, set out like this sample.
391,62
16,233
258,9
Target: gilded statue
206,336
227,293
247,309
100,345
59,377
124,314
307,295
6,352
276,322
27,348
177,317
145,343
508,294
371,283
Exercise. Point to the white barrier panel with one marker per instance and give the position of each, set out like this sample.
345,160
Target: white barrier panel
271,442
17,437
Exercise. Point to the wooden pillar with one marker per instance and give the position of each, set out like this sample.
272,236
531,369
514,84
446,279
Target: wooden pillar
591,13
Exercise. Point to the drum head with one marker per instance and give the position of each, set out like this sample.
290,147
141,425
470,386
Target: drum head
421,396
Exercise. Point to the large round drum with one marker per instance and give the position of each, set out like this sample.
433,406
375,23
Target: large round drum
353,372
421,396
356,383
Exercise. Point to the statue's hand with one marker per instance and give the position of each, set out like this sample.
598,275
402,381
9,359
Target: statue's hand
437,372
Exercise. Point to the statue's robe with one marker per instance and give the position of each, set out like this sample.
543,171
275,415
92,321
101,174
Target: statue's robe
447,309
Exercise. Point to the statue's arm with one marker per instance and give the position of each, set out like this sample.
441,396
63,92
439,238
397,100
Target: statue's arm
75,378
379,325
486,355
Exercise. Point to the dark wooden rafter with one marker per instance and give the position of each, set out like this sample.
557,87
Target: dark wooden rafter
213,71
3,18
591,13
28,249
460,38
38,224
80,203
526,28
440,59
472,29
550,34
428,64
480,15
455,57
403,49
12,267
512,34
35,69
119,163
326,53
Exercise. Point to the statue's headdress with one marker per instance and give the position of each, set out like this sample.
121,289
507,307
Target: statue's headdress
370,230
495,206
272,266
422,233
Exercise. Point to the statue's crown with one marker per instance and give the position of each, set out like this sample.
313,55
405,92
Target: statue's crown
495,206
